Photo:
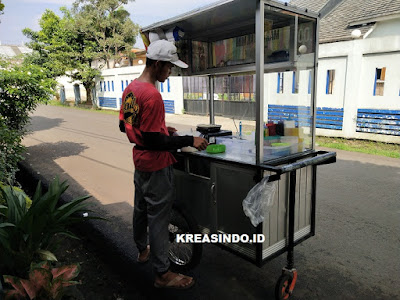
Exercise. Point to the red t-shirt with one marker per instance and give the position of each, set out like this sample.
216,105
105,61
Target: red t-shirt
142,110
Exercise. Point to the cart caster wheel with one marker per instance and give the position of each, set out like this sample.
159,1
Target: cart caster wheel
282,288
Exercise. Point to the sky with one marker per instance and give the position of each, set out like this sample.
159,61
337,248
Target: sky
20,14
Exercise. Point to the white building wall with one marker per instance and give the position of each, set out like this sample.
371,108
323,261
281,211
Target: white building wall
69,88
120,77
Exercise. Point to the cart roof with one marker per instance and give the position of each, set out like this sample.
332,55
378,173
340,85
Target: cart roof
217,19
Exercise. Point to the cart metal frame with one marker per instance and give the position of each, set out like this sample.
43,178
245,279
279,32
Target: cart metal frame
205,173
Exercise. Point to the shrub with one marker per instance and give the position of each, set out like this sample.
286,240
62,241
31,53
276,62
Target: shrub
22,88
28,234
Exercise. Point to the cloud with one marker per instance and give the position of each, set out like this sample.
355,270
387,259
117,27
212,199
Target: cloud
147,12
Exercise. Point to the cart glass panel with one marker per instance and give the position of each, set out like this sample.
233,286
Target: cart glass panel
289,56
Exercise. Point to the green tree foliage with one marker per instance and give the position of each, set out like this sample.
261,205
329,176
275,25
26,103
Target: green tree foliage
108,23
1,7
22,88
92,30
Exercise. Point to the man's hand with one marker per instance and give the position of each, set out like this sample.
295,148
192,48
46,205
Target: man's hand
172,131
200,143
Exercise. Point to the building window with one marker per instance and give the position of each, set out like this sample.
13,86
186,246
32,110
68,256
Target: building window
295,83
330,78
279,88
112,85
309,83
162,87
108,84
101,87
379,81
122,85
127,83
168,86
105,89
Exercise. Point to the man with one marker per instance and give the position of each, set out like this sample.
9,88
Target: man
142,117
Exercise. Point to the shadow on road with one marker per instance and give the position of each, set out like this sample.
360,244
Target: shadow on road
39,123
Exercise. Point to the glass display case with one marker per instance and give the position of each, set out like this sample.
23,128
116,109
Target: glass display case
222,41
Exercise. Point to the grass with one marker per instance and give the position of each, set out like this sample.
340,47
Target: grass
83,107
364,146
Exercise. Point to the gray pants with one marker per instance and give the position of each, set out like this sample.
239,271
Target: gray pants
154,195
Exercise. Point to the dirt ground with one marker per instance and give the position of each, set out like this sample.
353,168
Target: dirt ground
100,281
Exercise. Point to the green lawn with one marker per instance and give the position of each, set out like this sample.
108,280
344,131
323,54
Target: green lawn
364,146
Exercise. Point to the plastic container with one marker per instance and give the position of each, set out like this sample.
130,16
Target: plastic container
293,141
268,140
277,149
216,148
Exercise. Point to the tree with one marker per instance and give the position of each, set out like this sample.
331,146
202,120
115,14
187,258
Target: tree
108,23
63,50
92,30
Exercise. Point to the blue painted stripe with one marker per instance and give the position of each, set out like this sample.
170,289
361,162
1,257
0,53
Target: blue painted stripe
122,85
327,82
108,102
378,131
379,121
378,116
279,80
168,86
378,126
294,82
169,106
327,117
379,111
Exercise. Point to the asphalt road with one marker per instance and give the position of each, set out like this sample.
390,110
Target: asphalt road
355,253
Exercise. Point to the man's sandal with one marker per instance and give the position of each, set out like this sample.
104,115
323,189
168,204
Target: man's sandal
174,283
145,258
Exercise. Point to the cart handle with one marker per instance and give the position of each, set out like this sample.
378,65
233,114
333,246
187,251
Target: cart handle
322,158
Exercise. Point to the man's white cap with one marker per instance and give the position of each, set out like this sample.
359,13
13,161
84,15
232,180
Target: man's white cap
164,50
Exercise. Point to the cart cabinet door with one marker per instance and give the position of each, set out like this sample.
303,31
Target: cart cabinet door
231,187
193,193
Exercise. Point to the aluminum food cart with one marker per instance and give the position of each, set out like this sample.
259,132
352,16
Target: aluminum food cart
272,41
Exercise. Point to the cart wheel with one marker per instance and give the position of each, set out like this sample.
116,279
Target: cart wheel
183,256
282,287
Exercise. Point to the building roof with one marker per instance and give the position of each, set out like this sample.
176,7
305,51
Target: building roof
12,50
340,17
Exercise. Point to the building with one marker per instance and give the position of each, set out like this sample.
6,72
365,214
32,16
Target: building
359,63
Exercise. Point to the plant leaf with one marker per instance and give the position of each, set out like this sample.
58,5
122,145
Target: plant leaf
40,265
41,278
15,282
66,273
46,255
2,225
30,288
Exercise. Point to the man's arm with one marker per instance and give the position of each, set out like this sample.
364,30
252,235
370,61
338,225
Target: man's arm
158,141
121,126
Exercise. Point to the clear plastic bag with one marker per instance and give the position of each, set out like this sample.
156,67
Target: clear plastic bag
259,200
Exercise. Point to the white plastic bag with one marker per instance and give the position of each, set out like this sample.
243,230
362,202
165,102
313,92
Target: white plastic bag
259,200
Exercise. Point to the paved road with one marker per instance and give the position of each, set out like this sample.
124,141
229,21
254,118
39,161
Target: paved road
354,255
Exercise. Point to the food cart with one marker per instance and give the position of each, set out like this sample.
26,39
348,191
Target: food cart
273,41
